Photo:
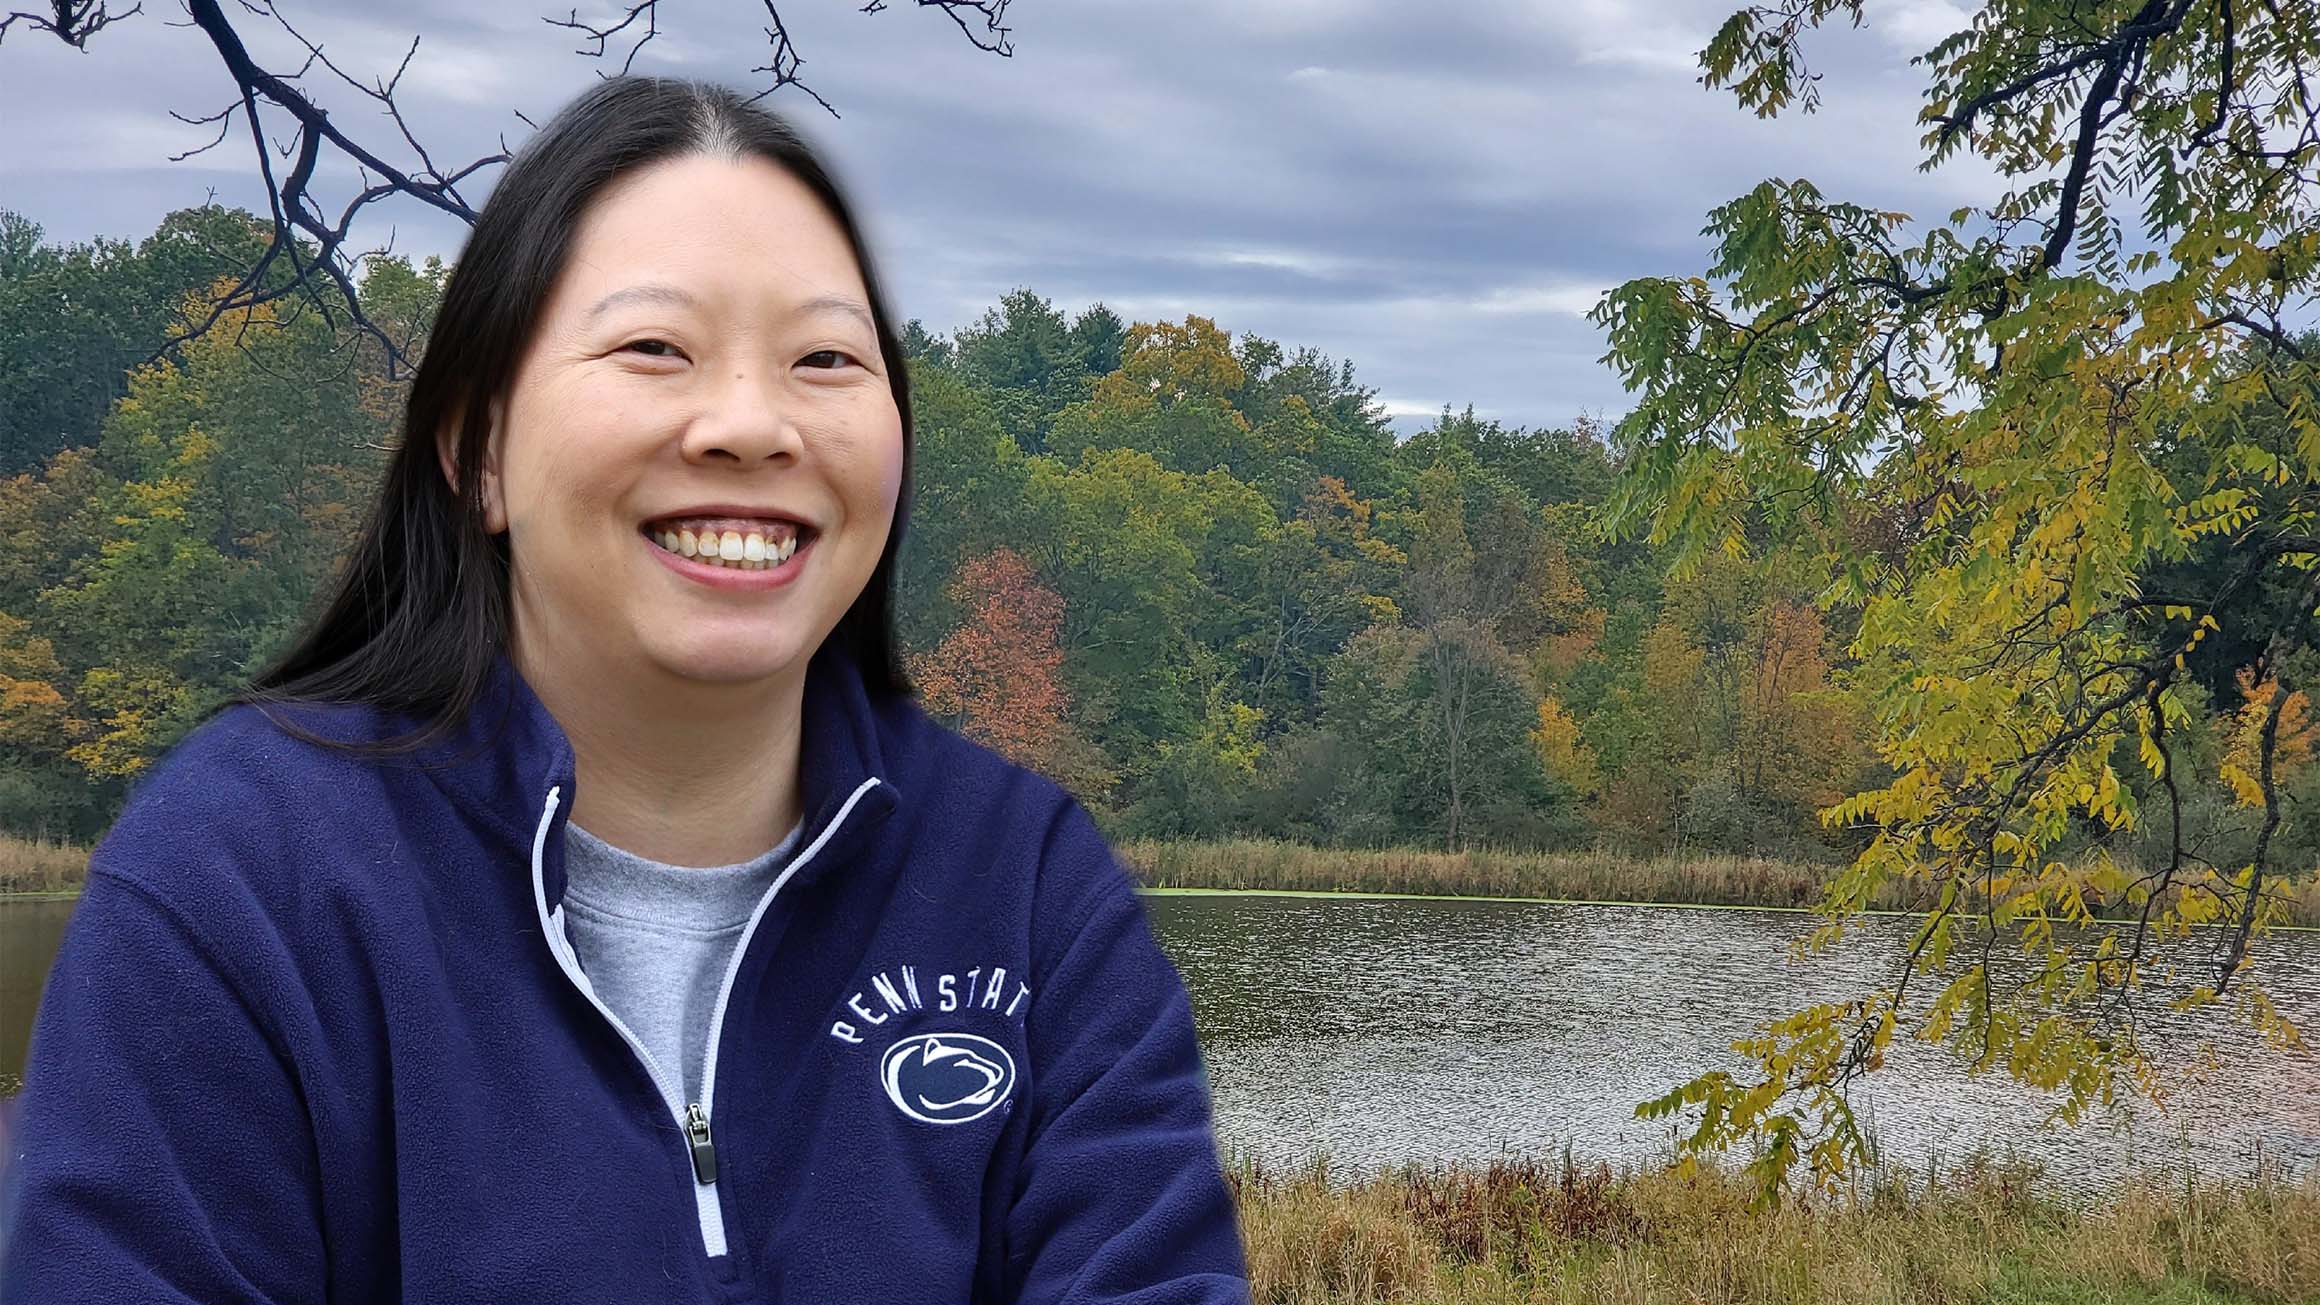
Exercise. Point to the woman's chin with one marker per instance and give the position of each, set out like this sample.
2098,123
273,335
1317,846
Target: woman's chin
733,658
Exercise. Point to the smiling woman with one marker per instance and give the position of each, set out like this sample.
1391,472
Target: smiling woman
706,365
582,908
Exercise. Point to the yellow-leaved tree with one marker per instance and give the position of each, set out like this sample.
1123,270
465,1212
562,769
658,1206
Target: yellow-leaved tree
2060,455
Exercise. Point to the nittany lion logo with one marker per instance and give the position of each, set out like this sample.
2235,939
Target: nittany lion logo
946,1078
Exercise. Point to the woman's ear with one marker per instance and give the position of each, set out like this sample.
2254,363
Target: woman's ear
495,517
447,455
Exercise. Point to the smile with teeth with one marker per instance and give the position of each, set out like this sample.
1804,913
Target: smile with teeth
756,547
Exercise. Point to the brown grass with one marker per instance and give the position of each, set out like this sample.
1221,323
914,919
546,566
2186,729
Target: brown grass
39,866
1255,863
1575,876
1532,1231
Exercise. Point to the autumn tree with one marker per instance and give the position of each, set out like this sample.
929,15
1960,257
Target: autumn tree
2006,387
1213,655
1552,612
1548,465
1804,733
1563,750
1323,576
1302,402
142,578
1172,397
997,678
39,727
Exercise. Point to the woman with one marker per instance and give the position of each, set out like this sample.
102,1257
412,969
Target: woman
582,910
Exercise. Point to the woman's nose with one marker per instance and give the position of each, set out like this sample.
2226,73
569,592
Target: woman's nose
748,421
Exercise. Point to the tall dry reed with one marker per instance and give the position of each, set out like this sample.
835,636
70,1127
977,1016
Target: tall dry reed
1279,865
30,865
1538,1231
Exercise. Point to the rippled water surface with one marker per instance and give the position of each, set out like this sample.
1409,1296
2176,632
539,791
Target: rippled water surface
1385,1030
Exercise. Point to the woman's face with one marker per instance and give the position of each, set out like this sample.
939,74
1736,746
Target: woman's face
704,371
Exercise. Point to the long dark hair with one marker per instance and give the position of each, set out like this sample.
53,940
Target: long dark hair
420,611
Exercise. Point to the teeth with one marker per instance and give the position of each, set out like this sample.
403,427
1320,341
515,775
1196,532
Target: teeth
731,548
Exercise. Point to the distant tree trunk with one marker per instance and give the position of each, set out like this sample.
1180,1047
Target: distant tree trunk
1453,706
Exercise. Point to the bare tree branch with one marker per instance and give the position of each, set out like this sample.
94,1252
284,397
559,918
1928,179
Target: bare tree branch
988,35
993,37
785,62
307,240
649,10
309,258
70,21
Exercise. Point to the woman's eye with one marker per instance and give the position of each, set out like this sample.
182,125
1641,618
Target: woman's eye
840,358
653,348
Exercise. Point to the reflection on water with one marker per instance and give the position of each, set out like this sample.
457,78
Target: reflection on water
1381,1031
30,928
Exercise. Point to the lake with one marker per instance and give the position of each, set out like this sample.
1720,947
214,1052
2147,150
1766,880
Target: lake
1391,1030
1386,1030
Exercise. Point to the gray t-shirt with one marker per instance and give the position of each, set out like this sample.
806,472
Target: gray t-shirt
654,940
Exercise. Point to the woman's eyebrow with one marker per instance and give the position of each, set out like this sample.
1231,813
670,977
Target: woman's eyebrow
653,293
846,304
669,294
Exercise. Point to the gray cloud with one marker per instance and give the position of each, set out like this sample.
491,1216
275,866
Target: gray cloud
1437,199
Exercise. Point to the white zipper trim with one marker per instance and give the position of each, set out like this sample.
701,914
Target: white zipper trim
706,1207
741,948
706,1210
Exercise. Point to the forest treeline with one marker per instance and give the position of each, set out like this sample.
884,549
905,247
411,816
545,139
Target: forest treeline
1193,575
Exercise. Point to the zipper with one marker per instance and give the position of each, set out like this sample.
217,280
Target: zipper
704,1150
693,1120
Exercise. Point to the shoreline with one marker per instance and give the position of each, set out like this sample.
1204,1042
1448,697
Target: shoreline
1147,890
1583,878
1362,894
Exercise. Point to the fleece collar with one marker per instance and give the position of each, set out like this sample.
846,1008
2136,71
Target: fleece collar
503,757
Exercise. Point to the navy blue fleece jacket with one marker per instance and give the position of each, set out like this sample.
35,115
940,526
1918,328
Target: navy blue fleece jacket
316,1033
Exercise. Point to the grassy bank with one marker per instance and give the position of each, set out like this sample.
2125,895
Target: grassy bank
1567,876
1575,876
1531,1231
35,866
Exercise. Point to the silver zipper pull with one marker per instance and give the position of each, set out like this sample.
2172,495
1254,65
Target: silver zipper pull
704,1151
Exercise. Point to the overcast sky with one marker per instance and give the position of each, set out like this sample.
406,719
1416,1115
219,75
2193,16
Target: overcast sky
1436,192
